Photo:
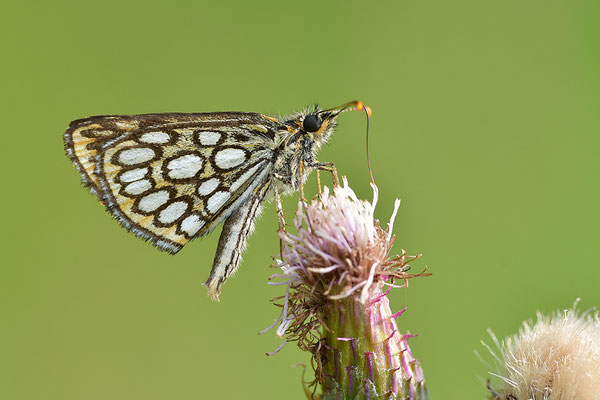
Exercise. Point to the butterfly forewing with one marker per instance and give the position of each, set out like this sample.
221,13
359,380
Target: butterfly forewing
171,177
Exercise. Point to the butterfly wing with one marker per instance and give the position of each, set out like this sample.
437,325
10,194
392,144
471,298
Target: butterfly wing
172,177
232,242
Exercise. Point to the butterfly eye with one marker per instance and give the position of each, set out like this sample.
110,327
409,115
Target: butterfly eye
311,123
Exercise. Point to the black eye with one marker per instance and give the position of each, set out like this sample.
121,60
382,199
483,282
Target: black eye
311,123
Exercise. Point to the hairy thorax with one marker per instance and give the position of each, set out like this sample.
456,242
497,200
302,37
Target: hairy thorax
286,169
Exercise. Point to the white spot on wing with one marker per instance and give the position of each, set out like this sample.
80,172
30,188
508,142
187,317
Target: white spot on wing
126,124
154,200
209,138
207,187
216,201
261,128
240,181
155,137
229,158
136,155
192,224
172,212
138,187
184,167
133,175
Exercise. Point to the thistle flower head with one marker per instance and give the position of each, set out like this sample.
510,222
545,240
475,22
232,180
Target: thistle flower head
336,270
341,247
558,357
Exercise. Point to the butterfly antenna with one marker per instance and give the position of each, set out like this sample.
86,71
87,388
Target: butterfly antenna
367,111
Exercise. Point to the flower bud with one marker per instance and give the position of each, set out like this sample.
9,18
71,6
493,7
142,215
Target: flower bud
337,275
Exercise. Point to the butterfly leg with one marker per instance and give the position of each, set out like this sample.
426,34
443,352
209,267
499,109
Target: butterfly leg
232,241
301,174
280,218
319,181
329,167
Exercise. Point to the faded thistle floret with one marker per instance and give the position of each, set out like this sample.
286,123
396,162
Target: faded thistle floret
337,275
557,358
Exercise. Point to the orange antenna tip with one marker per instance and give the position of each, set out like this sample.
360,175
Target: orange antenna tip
361,106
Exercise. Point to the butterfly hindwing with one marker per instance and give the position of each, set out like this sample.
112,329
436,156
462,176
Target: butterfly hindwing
171,177
232,242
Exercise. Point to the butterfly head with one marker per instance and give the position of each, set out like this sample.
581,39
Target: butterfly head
319,124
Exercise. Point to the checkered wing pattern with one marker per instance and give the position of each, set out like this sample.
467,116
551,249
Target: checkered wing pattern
172,177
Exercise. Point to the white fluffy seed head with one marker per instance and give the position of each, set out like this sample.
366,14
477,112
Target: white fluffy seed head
557,358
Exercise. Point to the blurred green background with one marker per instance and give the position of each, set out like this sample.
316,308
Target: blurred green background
485,123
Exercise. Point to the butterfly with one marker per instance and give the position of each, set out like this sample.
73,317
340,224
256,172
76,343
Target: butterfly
172,177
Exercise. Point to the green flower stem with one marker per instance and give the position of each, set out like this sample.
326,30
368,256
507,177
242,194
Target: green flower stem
363,354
